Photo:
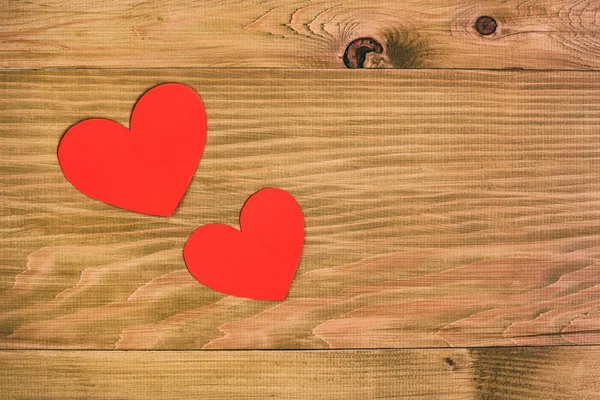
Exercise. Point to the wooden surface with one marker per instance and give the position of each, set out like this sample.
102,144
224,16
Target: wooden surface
523,373
447,208
541,34
452,212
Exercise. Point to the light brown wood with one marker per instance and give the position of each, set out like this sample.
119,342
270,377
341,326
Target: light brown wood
443,208
536,373
236,375
521,373
546,34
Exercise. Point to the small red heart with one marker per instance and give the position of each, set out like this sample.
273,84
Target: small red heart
259,260
146,168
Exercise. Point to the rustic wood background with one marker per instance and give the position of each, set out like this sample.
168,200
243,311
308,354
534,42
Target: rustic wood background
452,201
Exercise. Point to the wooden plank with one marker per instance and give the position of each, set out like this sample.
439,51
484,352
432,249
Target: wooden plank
546,34
536,373
532,373
443,208
235,375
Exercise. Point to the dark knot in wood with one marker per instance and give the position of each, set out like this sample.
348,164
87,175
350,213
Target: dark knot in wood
450,362
486,25
356,52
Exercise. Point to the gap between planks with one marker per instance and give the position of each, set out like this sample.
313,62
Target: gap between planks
297,69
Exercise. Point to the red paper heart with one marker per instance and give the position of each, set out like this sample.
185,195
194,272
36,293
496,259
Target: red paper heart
260,260
147,168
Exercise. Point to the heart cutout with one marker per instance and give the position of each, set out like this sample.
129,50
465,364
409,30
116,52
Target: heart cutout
259,260
146,168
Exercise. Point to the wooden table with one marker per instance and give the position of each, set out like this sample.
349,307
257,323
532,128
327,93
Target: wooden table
450,183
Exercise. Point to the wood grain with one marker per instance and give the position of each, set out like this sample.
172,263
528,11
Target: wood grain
541,34
531,373
443,208
235,375
536,373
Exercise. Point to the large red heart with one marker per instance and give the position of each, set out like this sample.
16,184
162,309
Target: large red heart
146,168
259,260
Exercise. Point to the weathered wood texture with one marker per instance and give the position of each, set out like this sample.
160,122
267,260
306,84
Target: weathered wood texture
236,375
536,373
546,34
443,208
521,373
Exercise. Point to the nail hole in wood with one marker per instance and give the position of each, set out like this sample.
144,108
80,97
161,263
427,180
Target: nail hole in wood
486,25
450,362
357,50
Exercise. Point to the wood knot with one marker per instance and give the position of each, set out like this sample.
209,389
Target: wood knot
357,50
397,49
486,25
